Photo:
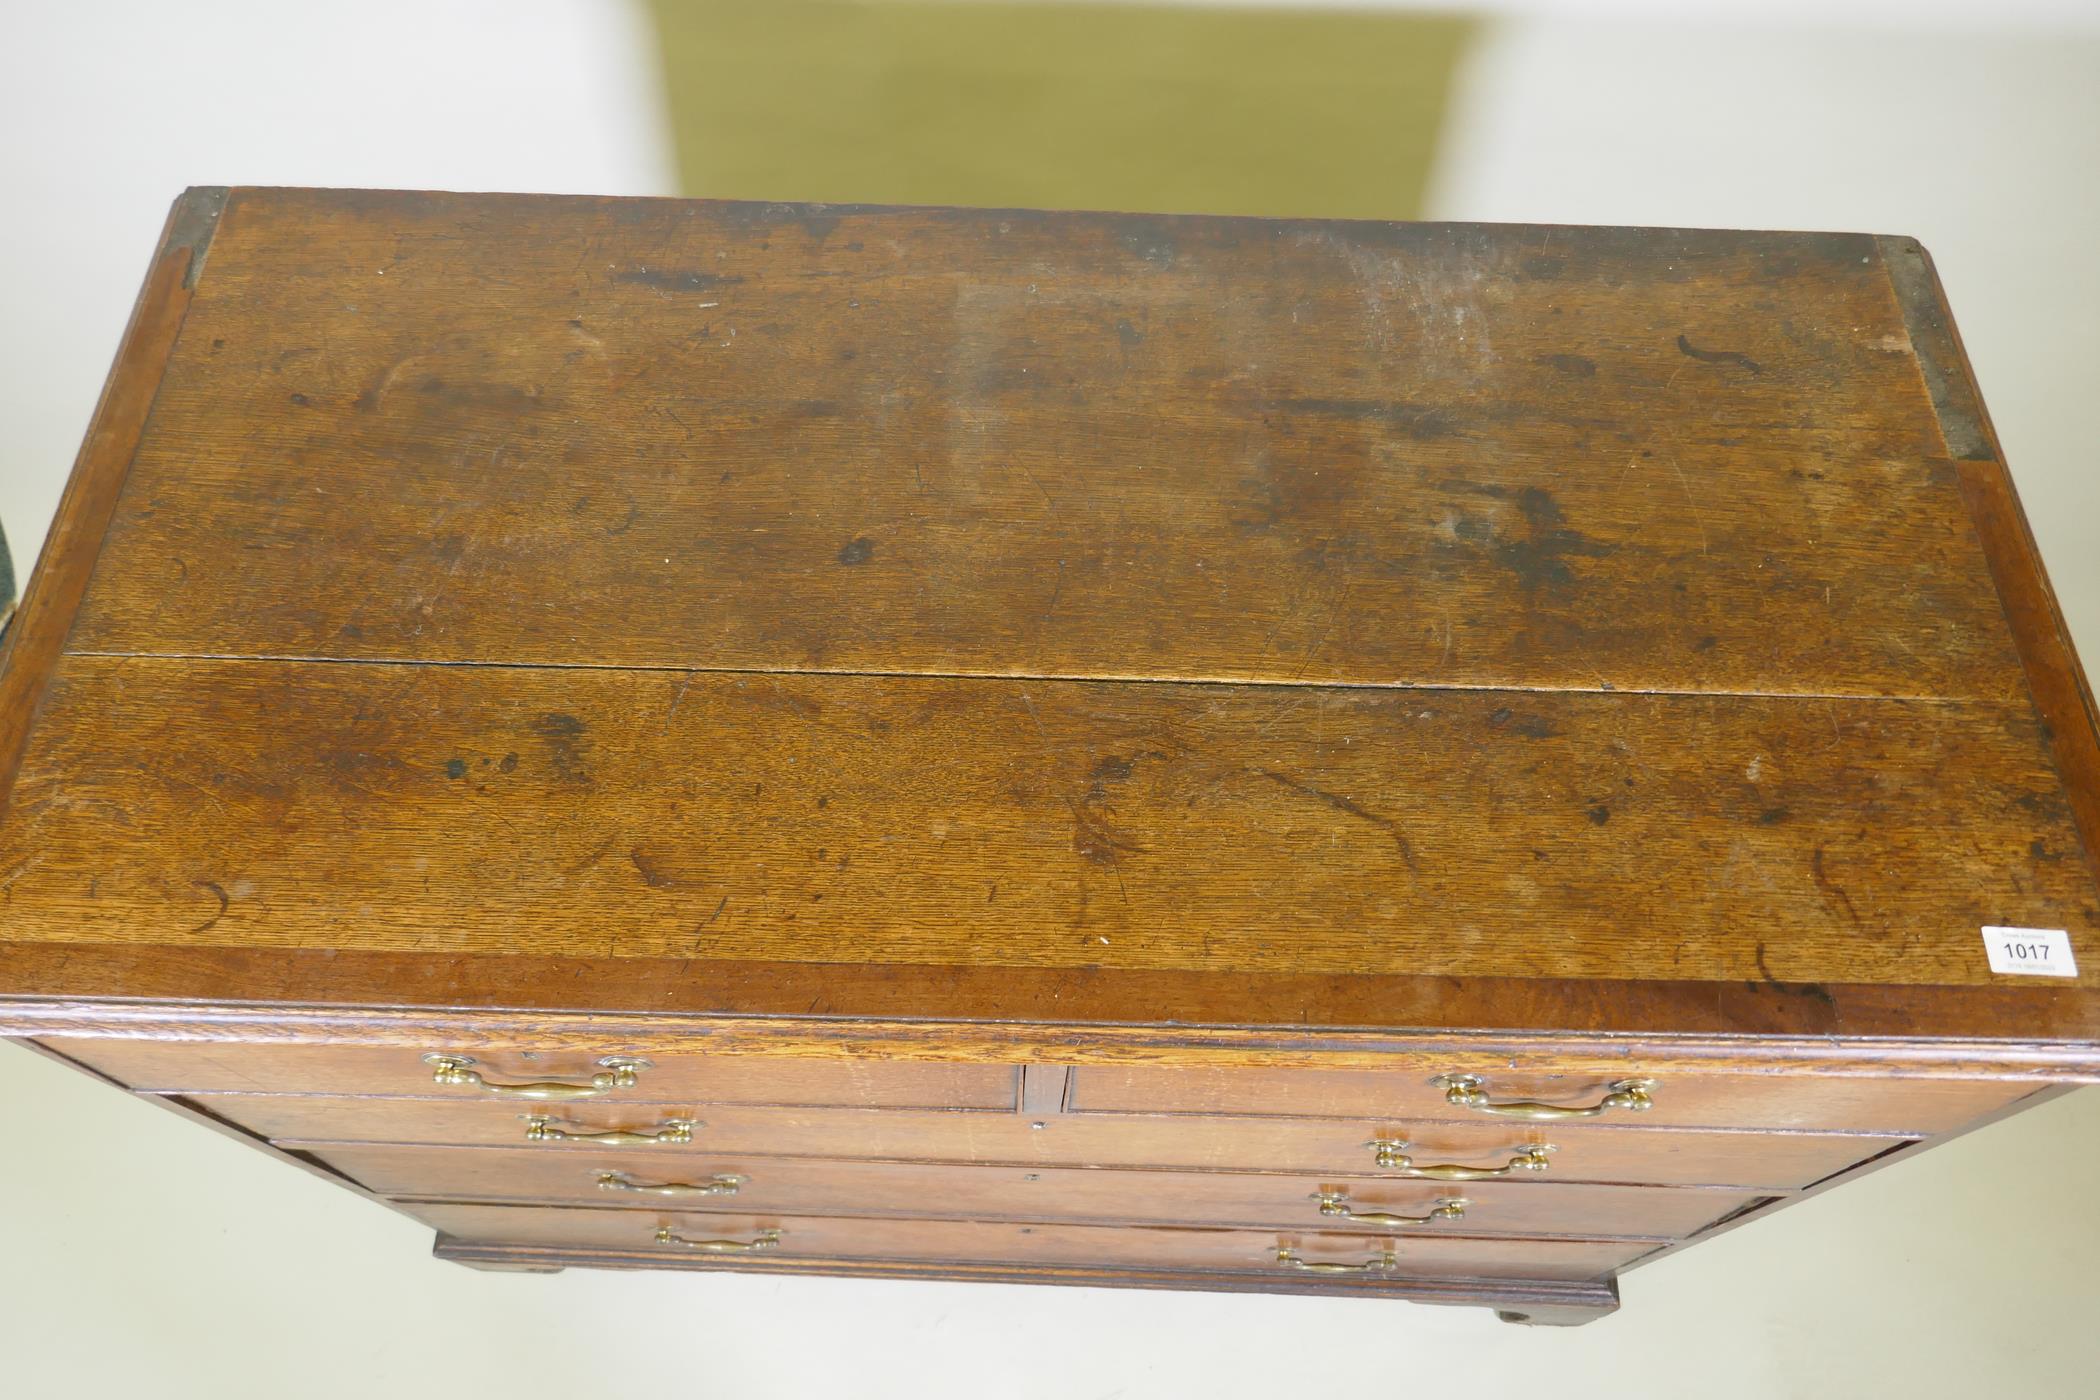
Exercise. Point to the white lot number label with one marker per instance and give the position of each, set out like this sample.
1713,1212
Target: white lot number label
2036,952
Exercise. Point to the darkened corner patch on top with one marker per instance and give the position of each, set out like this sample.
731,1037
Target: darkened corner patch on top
1939,358
191,224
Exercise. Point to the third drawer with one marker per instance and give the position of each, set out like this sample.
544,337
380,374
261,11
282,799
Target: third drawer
791,1185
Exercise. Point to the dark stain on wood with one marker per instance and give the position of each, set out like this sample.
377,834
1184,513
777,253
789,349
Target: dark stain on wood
1423,422
667,279
1341,803
564,736
1718,357
217,892
1539,558
1531,726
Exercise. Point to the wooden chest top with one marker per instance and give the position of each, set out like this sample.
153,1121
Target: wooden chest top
685,607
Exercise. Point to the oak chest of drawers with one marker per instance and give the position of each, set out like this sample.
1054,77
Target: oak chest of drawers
1417,761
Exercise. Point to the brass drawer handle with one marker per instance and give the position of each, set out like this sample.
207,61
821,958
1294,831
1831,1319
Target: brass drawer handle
1291,1259
767,1239
1336,1203
1470,1091
713,1186
671,1130
619,1073
1391,1155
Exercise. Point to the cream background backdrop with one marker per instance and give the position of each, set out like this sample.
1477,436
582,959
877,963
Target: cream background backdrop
140,1255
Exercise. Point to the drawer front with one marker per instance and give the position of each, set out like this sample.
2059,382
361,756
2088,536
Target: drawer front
954,1241
801,1185
179,1067
1790,1101
1669,1157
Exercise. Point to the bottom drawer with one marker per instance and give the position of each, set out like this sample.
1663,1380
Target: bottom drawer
756,1238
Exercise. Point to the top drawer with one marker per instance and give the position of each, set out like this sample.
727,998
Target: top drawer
530,1076
1800,1100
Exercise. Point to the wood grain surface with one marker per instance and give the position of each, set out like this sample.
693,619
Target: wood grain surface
656,433
979,822
34,637
520,602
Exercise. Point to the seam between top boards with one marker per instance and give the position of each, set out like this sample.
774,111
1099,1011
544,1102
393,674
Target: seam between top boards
1033,677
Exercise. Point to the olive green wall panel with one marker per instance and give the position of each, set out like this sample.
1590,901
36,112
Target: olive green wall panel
1053,105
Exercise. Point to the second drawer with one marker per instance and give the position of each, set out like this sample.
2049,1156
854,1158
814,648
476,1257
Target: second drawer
1586,1152
743,1183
